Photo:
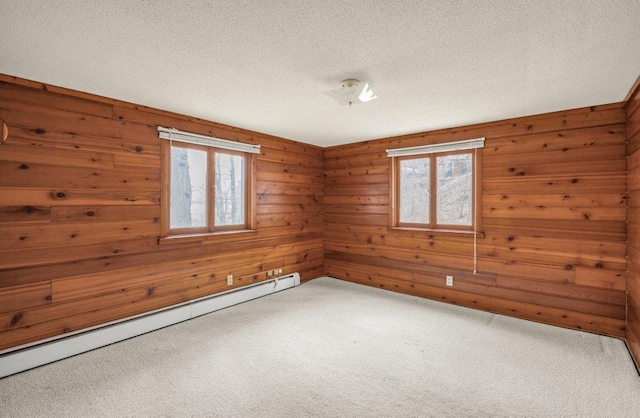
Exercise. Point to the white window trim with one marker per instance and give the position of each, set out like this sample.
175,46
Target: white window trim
208,141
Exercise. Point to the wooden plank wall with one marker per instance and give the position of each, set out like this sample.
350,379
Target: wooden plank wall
80,206
633,218
553,207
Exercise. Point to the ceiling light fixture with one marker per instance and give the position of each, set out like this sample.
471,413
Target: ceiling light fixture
351,91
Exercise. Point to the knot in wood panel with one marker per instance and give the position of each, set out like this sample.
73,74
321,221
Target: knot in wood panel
16,318
4,131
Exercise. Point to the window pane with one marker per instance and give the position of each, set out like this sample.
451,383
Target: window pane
230,191
414,191
188,188
455,189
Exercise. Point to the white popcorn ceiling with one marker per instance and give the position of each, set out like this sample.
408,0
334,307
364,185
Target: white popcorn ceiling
264,64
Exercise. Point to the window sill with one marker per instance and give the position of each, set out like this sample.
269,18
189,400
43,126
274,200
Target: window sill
203,237
479,234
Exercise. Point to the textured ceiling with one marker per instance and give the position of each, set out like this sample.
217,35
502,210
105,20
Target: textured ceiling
263,65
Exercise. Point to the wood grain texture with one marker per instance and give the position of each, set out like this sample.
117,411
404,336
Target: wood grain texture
552,247
633,219
80,211
80,187
4,132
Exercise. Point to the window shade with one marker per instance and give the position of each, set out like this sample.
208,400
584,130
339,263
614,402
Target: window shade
207,141
430,149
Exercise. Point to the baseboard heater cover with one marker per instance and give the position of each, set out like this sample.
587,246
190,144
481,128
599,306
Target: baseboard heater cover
26,357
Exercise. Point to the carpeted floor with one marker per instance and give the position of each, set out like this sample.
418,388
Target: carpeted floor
335,349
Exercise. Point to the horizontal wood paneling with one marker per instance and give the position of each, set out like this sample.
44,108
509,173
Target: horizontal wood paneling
80,206
531,311
633,219
69,197
26,154
23,175
26,236
10,215
553,240
25,296
80,182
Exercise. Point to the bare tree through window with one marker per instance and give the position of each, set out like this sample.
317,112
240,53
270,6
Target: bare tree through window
188,188
229,189
414,190
208,189
435,190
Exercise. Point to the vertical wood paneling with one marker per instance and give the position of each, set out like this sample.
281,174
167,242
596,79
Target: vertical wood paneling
80,182
633,219
552,245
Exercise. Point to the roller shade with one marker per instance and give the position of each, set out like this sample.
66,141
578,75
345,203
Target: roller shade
431,149
207,141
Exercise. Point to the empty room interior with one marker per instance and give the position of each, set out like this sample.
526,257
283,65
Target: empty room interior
335,208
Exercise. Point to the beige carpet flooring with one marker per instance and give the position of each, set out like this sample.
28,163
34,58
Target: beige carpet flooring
335,349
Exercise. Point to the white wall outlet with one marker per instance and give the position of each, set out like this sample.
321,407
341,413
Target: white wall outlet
279,271
230,280
449,280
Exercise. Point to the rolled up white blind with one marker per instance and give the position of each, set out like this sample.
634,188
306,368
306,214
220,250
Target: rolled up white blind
431,149
207,141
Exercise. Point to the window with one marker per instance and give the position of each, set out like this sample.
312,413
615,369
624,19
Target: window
436,187
209,189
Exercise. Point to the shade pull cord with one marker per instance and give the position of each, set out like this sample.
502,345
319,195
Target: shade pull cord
475,223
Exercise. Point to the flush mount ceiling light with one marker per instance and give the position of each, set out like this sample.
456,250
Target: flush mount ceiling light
351,91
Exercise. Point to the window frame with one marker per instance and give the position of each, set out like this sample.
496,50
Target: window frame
211,228
433,225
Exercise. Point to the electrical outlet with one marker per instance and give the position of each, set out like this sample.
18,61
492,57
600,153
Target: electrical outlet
279,271
449,280
230,280
269,273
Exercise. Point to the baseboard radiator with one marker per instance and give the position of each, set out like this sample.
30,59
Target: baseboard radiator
26,357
